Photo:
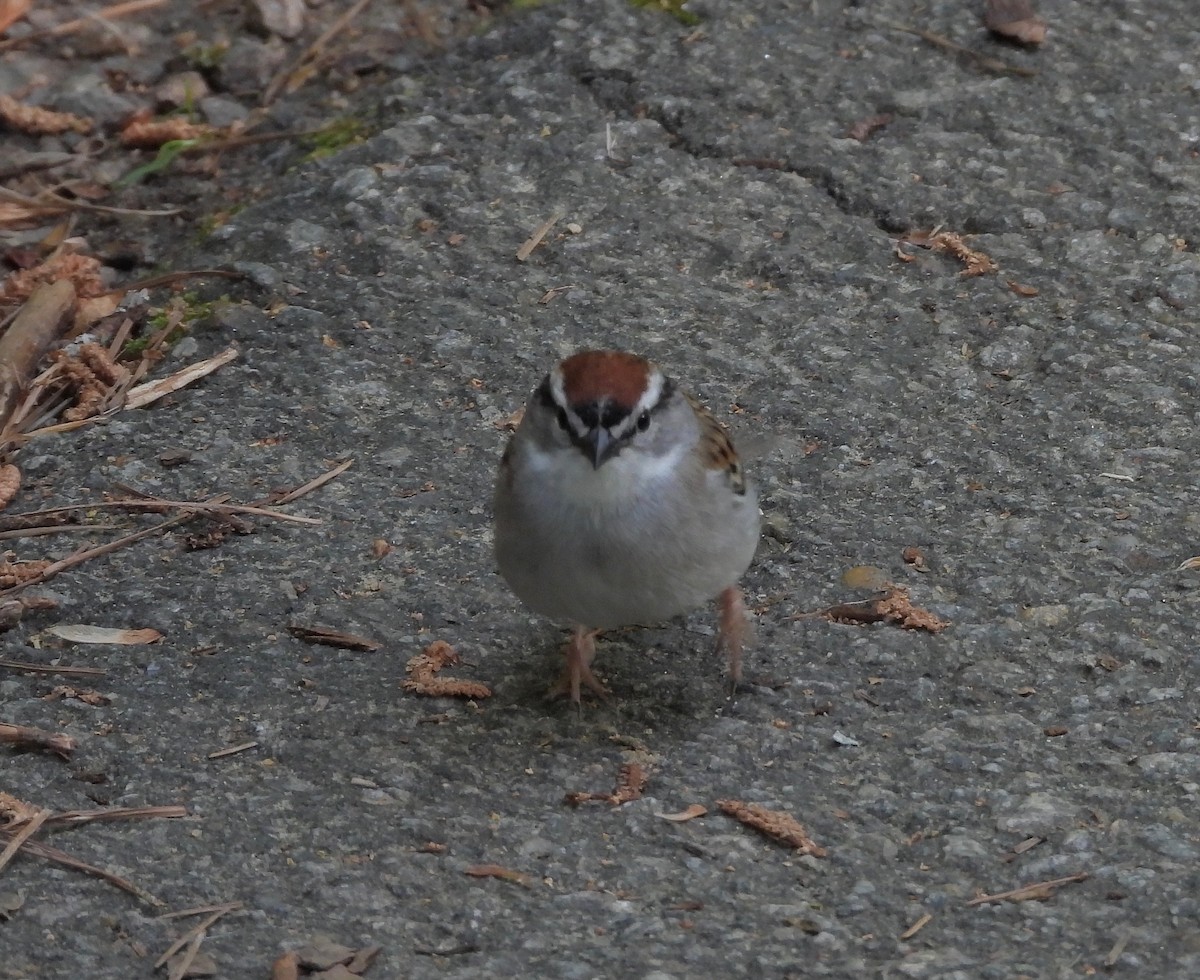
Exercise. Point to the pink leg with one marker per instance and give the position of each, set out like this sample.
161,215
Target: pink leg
734,631
580,651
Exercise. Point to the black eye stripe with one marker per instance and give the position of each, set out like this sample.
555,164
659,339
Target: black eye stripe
605,414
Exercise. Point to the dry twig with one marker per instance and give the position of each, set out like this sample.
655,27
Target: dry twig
38,849
39,324
37,738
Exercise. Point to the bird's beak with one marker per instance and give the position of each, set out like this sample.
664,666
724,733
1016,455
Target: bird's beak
598,445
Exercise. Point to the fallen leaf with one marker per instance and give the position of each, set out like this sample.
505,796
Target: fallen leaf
78,633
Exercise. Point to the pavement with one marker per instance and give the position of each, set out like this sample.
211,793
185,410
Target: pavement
1031,430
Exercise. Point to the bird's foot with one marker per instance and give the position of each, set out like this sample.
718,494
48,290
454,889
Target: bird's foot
580,651
734,632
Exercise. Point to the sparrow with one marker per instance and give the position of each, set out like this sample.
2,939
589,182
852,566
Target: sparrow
620,500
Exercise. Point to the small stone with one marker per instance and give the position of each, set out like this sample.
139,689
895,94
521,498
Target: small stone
282,17
1038,815
184,88
1050,615
222,112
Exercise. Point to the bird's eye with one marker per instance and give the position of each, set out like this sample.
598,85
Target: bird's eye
562,419
643,422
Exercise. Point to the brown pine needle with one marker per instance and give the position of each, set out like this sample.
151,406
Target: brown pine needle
202,910
197,931
314,484
19,838
984,61
38,849
112,12
534,240
117,813
51,669
180,968
284,78
86,554
917,926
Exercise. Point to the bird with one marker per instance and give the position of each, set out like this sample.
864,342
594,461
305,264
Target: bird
620,500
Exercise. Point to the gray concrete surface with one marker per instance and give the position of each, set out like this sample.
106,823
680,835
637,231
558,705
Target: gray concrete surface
1040,450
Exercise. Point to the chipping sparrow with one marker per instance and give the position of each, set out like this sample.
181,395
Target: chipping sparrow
621,500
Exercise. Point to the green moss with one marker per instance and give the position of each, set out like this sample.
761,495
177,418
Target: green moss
205,56
218,219
335,136
182,310
676,8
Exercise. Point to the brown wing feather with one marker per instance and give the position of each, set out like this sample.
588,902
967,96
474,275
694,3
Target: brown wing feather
717,446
